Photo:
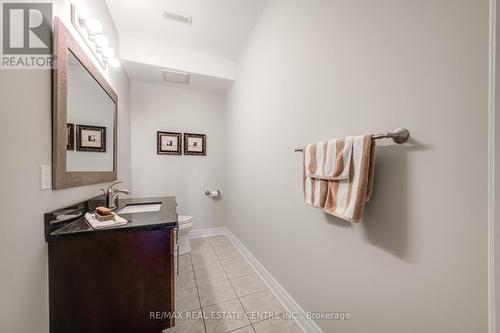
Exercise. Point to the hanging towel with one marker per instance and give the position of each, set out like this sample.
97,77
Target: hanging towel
329,160
344,181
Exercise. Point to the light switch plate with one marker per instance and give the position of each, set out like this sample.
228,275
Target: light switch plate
45,177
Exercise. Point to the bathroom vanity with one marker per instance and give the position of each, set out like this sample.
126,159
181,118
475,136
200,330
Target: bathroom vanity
119,279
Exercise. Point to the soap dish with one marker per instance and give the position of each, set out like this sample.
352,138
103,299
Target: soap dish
104,218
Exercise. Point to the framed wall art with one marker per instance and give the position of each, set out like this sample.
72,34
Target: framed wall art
168,143
195,144
90,138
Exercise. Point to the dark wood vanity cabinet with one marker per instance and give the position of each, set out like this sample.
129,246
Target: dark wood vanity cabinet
112,281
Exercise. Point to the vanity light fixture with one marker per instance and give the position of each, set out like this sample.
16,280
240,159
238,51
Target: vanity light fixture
109,58
92,25
101,41
90,29
108,52
113,62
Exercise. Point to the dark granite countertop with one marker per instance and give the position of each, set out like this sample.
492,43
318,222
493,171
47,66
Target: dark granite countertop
70,221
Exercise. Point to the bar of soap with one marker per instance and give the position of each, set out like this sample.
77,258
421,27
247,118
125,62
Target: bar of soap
103,211
104,218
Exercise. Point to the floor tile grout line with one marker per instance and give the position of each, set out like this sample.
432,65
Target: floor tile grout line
254,273
245,259
189,310
237,296
209,283
211,246
183,273
199,297
237,329
232,299
222,266
239,301
204,267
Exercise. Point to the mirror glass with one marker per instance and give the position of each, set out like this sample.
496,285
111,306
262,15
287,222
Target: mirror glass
90,121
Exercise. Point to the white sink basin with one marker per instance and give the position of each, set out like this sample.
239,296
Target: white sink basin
140,208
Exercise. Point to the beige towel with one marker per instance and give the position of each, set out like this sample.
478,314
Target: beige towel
329,160
343,189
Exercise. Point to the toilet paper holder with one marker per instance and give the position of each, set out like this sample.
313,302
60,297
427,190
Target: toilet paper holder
213,194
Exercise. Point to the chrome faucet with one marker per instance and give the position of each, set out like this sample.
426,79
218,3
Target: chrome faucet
112,195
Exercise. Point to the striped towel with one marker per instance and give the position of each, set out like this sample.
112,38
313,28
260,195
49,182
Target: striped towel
338,175
329,160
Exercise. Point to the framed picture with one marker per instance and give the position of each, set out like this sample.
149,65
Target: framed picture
70,137
168,143
195,144
91,138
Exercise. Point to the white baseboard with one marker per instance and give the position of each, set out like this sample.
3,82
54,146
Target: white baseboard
307,325
202,233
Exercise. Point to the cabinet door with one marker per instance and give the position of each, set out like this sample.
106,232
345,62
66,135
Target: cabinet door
112,282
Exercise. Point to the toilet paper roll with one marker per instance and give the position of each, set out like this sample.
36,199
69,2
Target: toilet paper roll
213,194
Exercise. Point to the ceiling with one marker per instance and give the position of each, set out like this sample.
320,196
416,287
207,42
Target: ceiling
220,27
153,74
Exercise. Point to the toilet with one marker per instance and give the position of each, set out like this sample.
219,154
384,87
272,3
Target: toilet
185,226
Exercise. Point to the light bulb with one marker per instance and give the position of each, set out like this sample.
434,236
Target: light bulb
108,52
114,62
93,25
101,41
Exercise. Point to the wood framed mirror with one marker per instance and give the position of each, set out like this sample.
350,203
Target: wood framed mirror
84,120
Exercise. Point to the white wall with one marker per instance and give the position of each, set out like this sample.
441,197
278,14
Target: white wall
318,69
25,143
160,55
171,109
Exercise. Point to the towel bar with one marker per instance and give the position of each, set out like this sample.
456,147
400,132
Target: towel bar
399,135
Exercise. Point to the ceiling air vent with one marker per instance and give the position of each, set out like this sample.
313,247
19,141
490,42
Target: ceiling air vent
178,17
175,76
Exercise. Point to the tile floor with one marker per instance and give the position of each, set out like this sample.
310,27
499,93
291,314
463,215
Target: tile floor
214,279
